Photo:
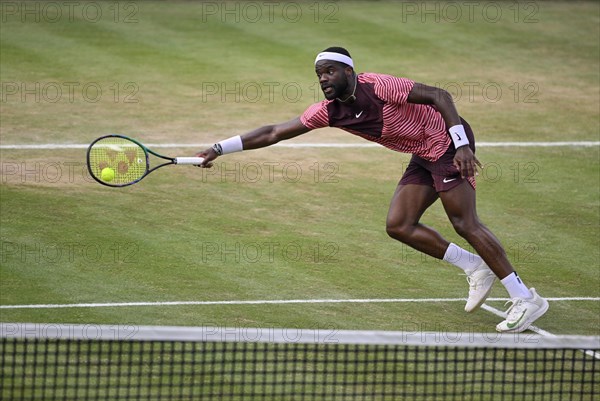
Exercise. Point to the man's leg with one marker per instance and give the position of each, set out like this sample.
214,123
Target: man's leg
406,208
460,206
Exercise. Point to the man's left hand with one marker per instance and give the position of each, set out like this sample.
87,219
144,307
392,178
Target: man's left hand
466,162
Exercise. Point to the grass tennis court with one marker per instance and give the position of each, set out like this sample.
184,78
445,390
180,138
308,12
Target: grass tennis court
287,223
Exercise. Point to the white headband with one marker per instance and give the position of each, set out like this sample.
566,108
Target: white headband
335,57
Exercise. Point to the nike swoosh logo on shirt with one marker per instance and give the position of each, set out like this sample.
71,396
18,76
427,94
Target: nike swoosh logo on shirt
446,180
359,114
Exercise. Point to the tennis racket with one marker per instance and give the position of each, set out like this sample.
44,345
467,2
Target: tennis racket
119,161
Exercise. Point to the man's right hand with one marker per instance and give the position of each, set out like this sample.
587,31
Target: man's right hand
209,155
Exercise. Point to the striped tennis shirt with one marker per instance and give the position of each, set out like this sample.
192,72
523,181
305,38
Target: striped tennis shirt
381,114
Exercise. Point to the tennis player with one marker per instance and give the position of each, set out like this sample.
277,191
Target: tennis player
411,117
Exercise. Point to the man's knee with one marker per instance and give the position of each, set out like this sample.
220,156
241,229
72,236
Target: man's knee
465,227
400,232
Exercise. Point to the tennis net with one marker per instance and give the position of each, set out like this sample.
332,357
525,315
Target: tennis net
97,362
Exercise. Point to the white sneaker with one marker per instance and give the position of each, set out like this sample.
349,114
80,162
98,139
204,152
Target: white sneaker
522,313
480,282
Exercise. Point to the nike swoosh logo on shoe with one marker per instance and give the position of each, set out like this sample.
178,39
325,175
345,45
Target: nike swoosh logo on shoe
513,325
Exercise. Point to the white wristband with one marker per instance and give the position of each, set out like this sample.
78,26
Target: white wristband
231,145
458,135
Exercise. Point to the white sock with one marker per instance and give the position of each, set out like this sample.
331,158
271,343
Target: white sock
515,287
460,258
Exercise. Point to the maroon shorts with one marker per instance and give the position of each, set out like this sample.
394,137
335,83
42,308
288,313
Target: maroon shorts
440,174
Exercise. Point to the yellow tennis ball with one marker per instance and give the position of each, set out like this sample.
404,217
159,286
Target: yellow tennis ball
107,174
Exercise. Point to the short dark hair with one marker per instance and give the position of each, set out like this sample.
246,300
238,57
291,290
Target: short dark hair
339,50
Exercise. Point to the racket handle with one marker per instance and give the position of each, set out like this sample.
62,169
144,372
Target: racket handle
189,160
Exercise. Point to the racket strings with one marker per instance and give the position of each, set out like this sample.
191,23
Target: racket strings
117,161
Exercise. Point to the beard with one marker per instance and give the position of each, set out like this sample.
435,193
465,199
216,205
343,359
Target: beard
334,91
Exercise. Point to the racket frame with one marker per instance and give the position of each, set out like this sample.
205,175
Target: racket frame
147,153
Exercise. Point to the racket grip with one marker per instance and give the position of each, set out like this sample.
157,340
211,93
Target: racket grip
189,160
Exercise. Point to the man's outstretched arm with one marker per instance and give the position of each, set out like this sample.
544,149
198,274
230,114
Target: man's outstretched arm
259,138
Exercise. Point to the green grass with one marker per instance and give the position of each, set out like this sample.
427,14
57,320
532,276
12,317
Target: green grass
185,234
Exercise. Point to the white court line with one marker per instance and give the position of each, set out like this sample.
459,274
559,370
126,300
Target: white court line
53,146
269,302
